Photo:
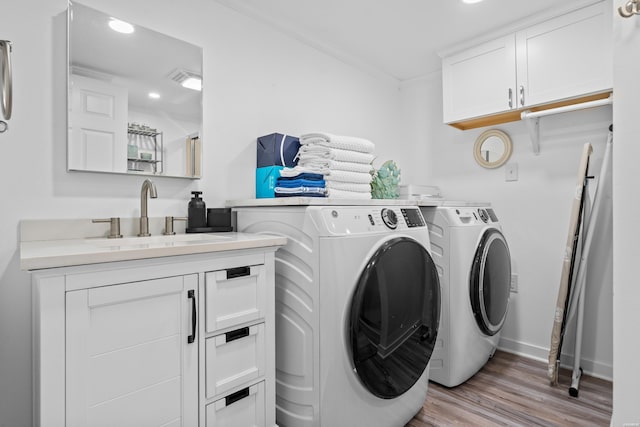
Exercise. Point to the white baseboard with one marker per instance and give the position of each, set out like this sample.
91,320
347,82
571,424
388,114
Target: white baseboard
590,367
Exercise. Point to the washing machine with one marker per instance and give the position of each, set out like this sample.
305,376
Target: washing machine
357,312
474,267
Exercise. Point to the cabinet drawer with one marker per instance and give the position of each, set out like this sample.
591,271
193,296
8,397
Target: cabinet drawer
234,358
235,296
245,408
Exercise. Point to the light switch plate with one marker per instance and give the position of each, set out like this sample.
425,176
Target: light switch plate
511,172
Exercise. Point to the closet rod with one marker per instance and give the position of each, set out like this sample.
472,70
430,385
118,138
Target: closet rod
532,119
567,108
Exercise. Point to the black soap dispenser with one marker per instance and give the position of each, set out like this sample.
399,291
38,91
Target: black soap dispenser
197,214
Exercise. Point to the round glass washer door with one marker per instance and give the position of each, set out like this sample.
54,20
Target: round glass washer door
490,282
394,317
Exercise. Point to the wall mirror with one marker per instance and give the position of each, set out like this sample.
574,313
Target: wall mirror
134,98
492,148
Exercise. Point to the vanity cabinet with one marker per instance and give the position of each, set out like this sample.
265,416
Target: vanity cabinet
182,340
130,348
562,58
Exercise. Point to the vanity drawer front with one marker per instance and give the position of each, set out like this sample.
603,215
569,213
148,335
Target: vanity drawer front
242,408
235,296
234,358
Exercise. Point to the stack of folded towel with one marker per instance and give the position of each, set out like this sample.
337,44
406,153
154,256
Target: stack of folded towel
343,163
302,184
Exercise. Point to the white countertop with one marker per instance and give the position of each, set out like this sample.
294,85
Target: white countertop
324,201
38,254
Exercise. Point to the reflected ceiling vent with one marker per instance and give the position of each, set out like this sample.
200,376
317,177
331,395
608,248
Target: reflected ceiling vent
187,79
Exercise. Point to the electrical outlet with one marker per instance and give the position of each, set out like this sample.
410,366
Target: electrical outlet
514,283
511,172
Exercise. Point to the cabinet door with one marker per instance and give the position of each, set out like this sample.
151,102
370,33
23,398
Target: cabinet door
129,362
565,57
480,81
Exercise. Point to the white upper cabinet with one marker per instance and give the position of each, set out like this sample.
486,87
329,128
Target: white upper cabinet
566,57
480,81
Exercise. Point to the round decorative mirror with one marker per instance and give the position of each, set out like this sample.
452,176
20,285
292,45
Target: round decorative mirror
492,149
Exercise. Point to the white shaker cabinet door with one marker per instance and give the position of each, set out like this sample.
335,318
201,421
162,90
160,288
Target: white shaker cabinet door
480,81
565,57
129,360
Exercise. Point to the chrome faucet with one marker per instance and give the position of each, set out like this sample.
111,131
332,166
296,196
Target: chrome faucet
148,188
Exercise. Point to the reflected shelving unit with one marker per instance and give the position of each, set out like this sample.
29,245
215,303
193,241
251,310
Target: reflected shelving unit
148,152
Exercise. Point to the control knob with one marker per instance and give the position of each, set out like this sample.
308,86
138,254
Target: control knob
389,218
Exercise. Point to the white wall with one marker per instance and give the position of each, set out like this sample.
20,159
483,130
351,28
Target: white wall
256,82
534,212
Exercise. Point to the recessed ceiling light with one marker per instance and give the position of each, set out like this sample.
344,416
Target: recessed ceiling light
154,95
121,26
471,1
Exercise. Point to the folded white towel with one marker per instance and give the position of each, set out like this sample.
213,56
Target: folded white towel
338,141
334,165
341,194
325,152
351,177
297,170
348,186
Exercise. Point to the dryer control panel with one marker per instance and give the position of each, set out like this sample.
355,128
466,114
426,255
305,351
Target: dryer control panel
344,220
470,215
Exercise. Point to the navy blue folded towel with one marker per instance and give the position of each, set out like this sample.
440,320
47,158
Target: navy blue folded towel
304,175
300,195
293,183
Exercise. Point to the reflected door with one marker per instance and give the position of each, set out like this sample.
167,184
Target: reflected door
98,126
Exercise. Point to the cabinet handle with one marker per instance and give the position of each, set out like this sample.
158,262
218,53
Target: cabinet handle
522,96
237,334
194,316
510,98
232,273
234,397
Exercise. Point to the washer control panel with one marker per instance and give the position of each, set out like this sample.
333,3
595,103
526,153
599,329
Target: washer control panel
364,219
413,217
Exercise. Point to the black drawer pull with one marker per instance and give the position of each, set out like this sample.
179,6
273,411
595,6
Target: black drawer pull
194,316
232,273
237,334
234,397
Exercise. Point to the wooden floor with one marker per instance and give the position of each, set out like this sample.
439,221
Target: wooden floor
514,391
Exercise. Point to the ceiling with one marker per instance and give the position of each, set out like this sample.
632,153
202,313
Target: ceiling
397,38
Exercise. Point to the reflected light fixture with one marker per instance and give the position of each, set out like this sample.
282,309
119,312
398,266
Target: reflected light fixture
194,83
121,26
471,1
154,95
187,79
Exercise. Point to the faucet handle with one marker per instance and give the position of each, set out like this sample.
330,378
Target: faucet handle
168,224
115,226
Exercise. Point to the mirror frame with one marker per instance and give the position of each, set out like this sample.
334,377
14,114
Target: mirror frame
506,141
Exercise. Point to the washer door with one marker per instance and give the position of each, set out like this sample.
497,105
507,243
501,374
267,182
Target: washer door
395,312
490,282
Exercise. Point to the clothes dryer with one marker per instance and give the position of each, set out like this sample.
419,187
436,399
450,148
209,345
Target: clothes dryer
474,266
357,312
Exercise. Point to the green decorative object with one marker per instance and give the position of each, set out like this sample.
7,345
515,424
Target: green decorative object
385,181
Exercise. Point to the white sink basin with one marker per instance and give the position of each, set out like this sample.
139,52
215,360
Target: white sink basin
161,240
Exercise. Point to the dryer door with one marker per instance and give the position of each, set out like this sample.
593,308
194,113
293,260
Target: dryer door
490,282
395,312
